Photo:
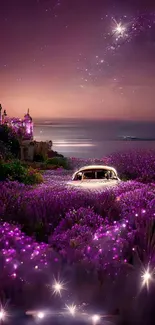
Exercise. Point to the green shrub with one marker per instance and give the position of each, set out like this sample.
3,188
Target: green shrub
16,171
59,162
39,158
32,177
12,170
5,152
10,140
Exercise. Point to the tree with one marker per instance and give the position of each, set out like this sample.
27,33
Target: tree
9,140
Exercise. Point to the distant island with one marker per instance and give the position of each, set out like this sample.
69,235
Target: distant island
133,138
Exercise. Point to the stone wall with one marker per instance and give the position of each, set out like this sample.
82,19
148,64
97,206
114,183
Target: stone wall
31,148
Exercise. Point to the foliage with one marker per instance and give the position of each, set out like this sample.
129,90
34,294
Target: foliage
12,169
52,153
32,177
131,165
40,158
48,204
21,258
58,161
15,171
50,163
5,152
138,164
10,140
108,232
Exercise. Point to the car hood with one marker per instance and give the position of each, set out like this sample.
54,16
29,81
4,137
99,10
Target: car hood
93,183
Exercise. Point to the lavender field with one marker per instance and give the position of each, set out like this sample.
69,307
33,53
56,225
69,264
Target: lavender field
99,243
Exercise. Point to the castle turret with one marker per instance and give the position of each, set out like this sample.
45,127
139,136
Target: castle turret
4,117
28,124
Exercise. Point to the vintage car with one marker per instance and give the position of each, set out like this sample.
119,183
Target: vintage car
95,175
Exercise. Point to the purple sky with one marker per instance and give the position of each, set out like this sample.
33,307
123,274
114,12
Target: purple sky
66,58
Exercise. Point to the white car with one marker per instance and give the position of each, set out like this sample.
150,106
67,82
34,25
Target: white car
95,176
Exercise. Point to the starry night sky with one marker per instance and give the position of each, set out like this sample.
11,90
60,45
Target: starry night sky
78,58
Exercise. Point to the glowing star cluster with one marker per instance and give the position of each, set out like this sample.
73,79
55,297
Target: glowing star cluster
119,30
94,67
18,251
112,251
71,310
75,312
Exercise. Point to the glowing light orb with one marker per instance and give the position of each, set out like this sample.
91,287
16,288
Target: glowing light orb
2,314
95,319
40,315
71,309
147,277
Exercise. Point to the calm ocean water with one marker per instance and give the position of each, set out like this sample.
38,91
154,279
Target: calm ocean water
93,139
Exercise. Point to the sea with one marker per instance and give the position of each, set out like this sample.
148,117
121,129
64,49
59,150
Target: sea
94,138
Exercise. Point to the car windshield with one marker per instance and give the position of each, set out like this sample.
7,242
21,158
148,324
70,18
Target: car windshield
95,174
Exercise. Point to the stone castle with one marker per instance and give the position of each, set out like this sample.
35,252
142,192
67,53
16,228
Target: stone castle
25,124
28,146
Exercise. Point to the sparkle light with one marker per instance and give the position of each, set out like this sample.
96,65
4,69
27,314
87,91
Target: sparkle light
124,32
147,277
2,315
58,287
71,309
119,30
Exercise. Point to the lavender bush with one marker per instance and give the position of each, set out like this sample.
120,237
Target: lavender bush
40,210
135,164
85,237
106,231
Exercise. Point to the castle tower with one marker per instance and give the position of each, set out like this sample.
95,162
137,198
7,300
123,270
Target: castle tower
5,113
4,117
28,124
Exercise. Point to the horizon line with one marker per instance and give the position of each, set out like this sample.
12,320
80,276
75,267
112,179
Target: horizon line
50,119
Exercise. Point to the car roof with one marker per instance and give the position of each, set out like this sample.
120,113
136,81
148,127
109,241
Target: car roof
96,167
